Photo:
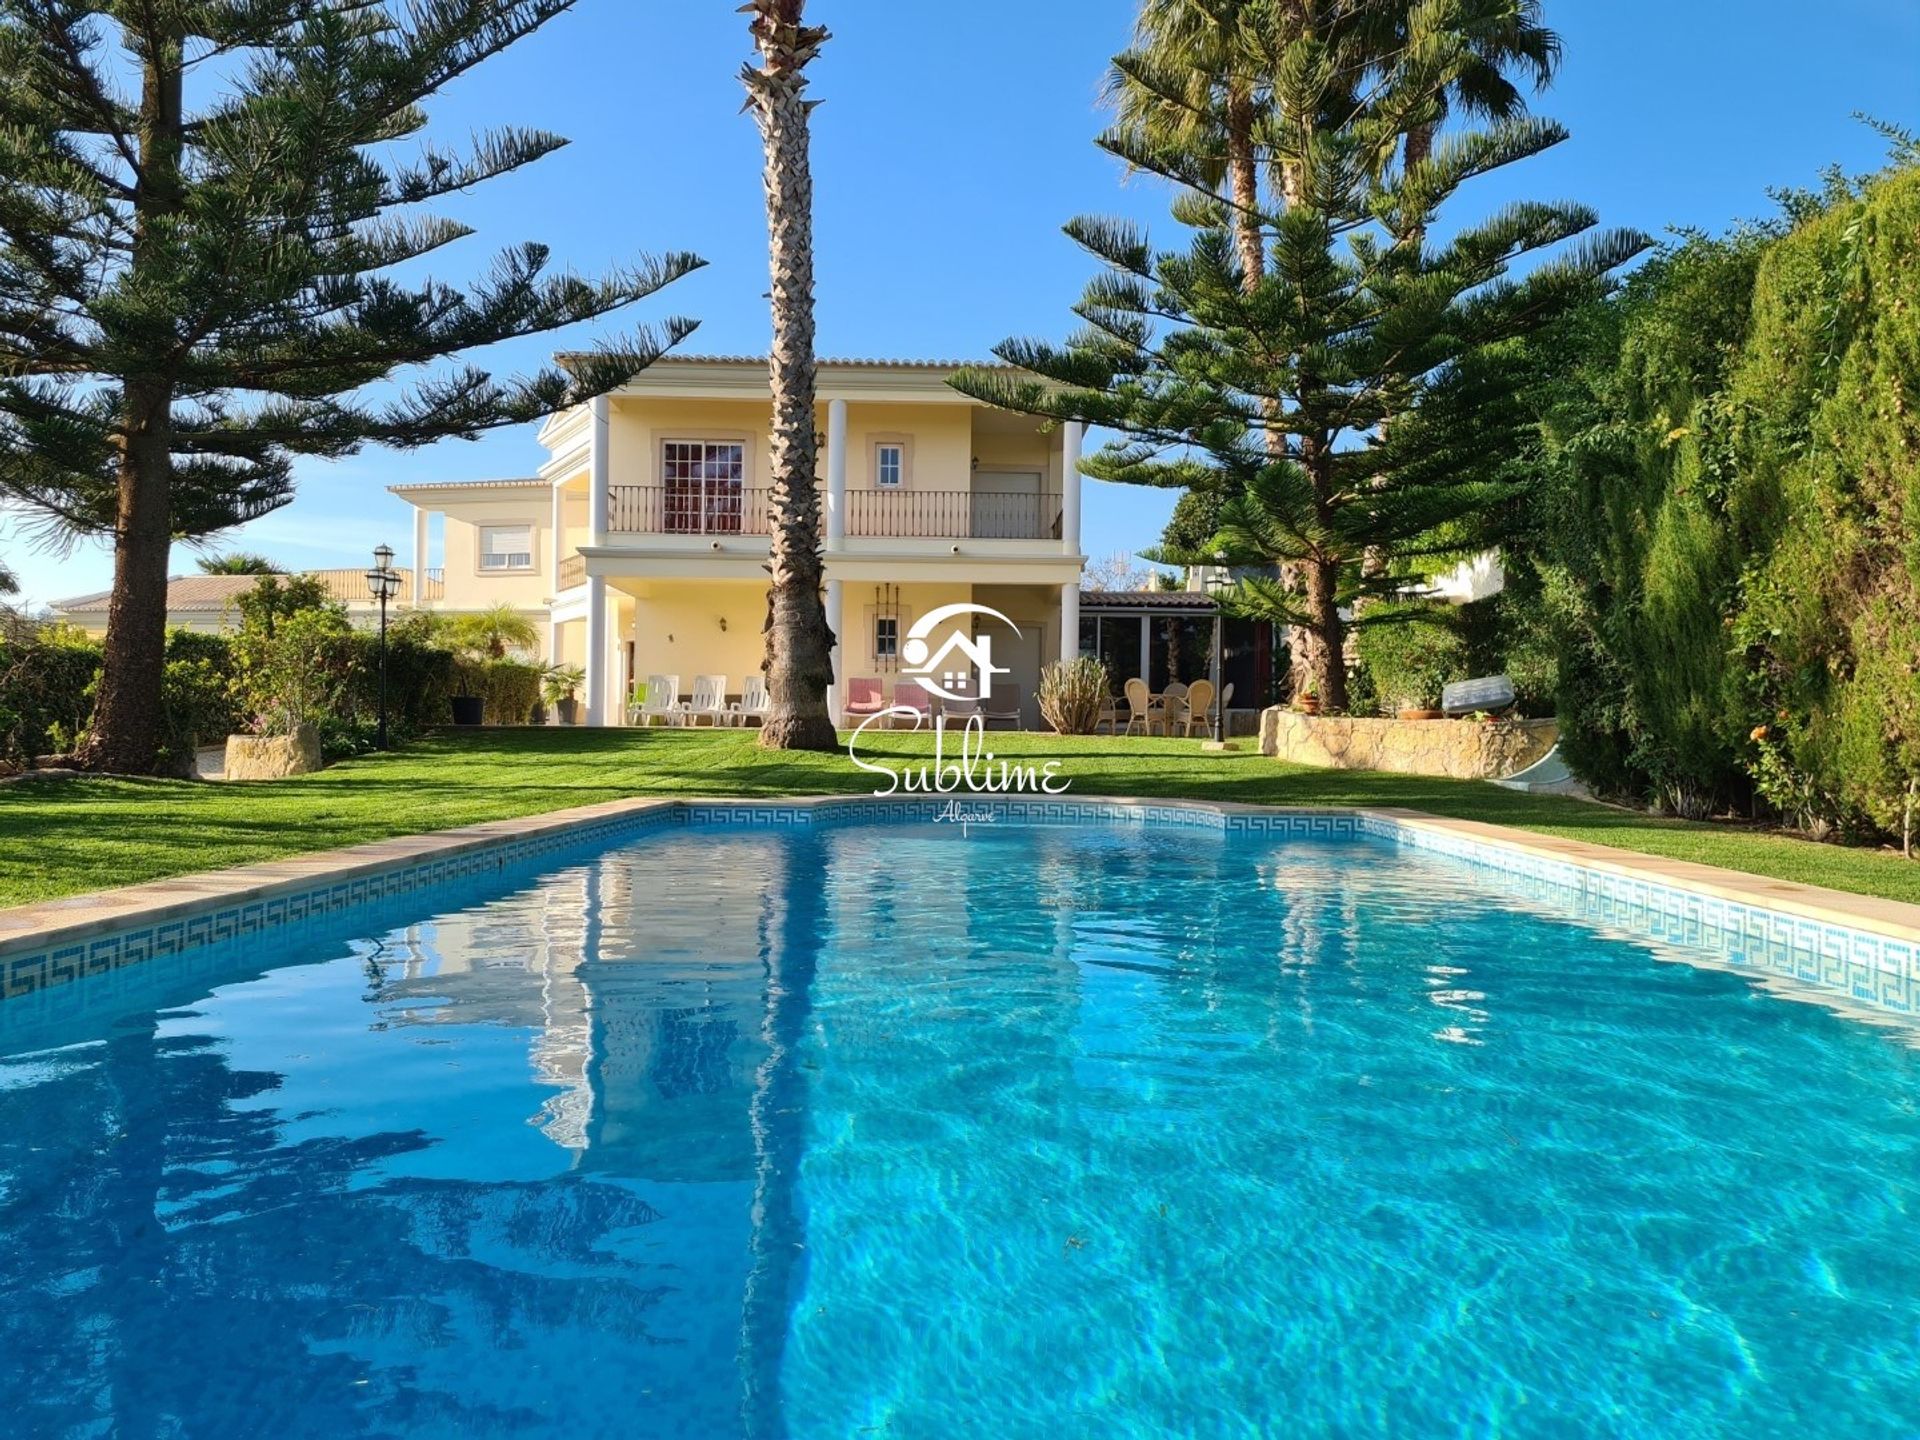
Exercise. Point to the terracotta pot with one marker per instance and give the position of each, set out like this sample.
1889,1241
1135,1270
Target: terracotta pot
1411,714
1307,704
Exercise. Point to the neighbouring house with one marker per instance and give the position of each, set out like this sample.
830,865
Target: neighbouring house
207,602
641,545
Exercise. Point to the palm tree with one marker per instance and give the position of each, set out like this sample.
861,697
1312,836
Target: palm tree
1490,41
799,662
490,633
1194,98
1189,94
237,562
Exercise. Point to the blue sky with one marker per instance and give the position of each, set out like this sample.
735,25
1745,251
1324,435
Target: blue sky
951,144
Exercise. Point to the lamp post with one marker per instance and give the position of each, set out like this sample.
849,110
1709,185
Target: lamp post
383,583
1218,583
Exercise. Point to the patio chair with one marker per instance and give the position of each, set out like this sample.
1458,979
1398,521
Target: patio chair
1003,706
661,702
753,704
1110,710
864,698
709,702
1199,707
910,696
960,710
1139,706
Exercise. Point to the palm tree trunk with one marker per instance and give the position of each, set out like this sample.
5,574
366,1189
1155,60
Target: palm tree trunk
126,731
799,660
1243,179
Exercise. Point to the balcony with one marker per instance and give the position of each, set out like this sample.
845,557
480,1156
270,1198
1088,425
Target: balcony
573,570
350,586
721,508
952,515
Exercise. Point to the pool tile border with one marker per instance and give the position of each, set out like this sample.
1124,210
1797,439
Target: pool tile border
1866,949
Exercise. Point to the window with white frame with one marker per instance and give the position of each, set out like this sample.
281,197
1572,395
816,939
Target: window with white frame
889,465
506,547
886,637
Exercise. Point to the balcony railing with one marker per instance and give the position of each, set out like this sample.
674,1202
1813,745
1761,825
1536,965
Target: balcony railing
721,508
699,507
952,515
573,570
350,586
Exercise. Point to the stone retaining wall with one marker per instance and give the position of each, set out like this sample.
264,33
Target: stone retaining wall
1463,749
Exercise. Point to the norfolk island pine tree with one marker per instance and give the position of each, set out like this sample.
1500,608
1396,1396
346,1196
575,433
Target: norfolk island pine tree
1353,318
191,298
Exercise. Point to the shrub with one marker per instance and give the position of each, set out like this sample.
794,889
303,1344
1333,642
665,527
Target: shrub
296,669
1412,651
197,696
46,691
1072,694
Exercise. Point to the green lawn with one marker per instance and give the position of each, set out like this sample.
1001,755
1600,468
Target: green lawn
61,837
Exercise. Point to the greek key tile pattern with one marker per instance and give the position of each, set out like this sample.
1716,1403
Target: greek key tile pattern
1877,970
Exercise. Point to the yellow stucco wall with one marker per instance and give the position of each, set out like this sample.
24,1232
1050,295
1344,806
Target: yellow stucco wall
470,588
676,630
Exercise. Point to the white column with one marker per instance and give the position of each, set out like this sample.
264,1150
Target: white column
1070,620
600,477
558,551
419,556
1071,435
836,473
836,612
597,650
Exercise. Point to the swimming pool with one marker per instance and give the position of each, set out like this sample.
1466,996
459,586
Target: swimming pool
896,1129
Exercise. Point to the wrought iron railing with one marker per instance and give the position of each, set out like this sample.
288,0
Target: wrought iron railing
952,515
694,507
721,508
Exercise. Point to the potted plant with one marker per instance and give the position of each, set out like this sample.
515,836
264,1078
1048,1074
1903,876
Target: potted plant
484,638
557,686
1307,702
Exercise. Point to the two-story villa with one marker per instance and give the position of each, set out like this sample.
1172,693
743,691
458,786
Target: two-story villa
641,546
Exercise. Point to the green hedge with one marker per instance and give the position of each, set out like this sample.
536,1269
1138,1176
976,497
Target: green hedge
47,687
46,692
509,688
1411,651
1730,543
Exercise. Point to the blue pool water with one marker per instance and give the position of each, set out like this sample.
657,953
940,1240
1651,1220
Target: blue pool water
889,1131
